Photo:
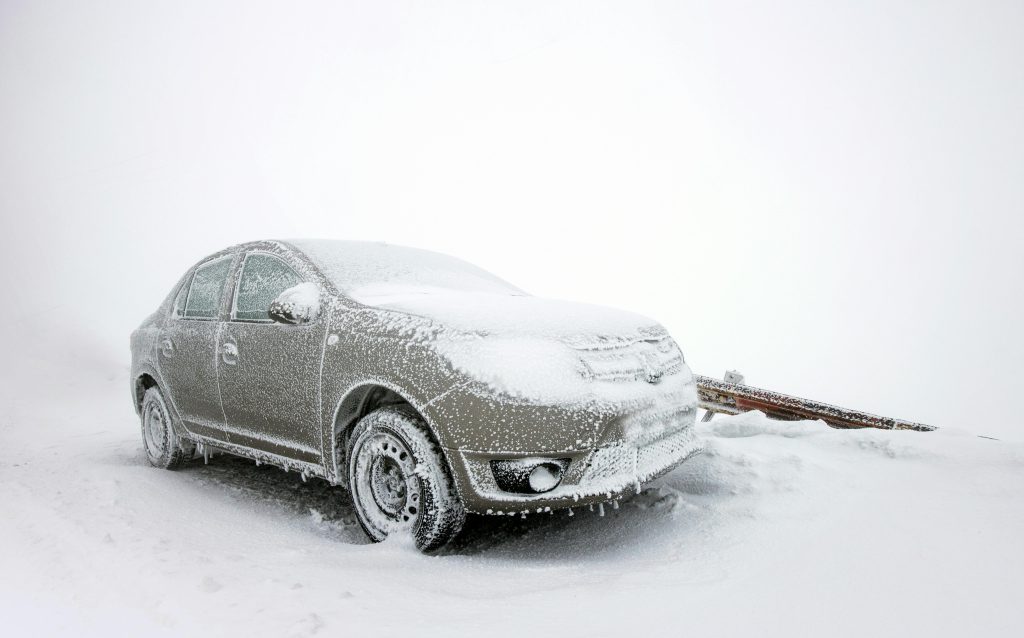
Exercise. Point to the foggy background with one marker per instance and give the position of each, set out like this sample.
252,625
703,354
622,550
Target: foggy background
825,196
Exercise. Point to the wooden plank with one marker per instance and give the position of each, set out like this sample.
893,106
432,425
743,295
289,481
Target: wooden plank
733,398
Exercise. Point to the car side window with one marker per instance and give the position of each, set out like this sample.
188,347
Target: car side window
203,301
264,277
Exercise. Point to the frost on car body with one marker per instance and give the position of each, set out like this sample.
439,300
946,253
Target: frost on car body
332,357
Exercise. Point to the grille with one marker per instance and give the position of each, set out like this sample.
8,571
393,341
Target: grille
610,462
647,426
624,462
644,360
656,457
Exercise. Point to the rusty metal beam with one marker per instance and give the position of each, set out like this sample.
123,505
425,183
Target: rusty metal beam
733,398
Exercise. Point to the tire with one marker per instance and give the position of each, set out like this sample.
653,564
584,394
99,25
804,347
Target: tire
399,480
164,448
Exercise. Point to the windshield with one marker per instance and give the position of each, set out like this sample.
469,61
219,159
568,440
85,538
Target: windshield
363,270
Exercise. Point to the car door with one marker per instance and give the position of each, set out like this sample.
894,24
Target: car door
188,348
269,373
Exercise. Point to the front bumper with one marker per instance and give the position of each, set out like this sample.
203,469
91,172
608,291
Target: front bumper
606,473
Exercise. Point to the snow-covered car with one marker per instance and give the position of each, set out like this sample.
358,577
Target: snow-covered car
427,386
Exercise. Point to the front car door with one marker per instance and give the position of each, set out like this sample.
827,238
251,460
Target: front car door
188,348
269,373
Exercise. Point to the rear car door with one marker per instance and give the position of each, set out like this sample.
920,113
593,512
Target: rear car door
269,373
188,348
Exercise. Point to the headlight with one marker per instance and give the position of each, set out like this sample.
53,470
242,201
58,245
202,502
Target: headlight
529,476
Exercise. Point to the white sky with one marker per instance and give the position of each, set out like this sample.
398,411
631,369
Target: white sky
826,197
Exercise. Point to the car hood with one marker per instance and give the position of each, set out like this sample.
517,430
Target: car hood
529,347
506,315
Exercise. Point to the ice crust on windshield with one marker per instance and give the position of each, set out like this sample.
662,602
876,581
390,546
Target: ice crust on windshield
354,265
505,314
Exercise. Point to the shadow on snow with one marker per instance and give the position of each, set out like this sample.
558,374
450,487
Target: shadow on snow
638,524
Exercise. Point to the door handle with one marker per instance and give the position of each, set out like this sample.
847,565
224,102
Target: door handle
229,353
167,347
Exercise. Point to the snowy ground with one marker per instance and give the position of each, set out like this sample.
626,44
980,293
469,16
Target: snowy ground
779,529
825,195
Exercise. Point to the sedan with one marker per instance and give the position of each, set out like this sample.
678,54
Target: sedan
428,387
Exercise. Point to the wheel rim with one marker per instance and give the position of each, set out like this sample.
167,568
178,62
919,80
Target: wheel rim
386,489
387,484
154,428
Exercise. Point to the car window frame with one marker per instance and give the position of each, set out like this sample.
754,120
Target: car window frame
237,283
187,284
182,287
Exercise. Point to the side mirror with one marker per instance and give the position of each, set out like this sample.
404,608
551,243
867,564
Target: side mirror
297,305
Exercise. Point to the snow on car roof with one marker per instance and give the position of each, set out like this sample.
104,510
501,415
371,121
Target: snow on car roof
355,266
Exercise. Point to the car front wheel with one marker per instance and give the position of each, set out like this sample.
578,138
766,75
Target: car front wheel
399,480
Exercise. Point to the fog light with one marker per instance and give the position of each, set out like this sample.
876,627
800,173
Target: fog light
529,476
545,477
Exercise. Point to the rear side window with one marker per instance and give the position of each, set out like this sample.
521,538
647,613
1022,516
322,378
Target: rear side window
264,277
203,300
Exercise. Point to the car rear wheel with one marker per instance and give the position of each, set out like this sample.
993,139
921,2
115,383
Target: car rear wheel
399,480
164,448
